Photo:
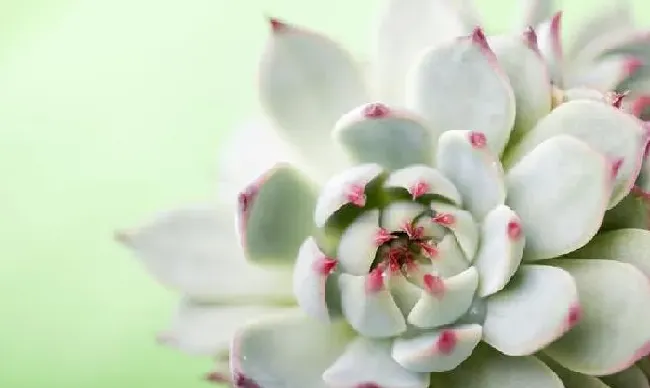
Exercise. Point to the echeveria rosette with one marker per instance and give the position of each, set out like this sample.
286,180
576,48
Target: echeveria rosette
475,179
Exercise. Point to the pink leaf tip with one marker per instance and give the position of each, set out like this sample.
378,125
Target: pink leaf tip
242,381
574,316
446,341
356,195
530,36
477,139
418,189
478,38
615,98
640,105
383,236
434,284
325,266
632,65
376,110
616,167
444,219
514,229
277,25
375,280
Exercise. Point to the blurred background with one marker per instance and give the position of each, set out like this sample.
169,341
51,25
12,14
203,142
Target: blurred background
111,110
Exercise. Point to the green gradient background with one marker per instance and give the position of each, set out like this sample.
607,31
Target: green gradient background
109,111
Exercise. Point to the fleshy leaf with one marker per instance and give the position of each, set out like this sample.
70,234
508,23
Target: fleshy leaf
569,184
422,180
206,329
464,158
368,305
549,41
444,300
275,215
594,123
612,334
632,212
306,83
644,365
632,377
502,247
346,188
405,29
528,77
194,250
459,86
538,306
438,350
368,363
311,275
487,368
357,247
375,133
450,260
266,353
570,378
626,245
461,223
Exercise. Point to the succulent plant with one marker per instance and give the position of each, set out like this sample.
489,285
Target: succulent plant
476,218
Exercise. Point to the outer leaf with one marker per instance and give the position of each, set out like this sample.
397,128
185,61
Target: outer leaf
594,123
529,78
206,329
487,368
501,249
194,251
376,134
538,306
368,363
611,335
275,215
306,83
569,184
459,86
265,353
632,377
475,171
406,28
437,351
626,245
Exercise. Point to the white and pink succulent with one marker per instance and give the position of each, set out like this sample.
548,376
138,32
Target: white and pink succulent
470,212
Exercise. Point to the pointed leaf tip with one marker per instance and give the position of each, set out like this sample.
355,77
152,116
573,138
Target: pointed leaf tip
376,110
277,25
530,37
